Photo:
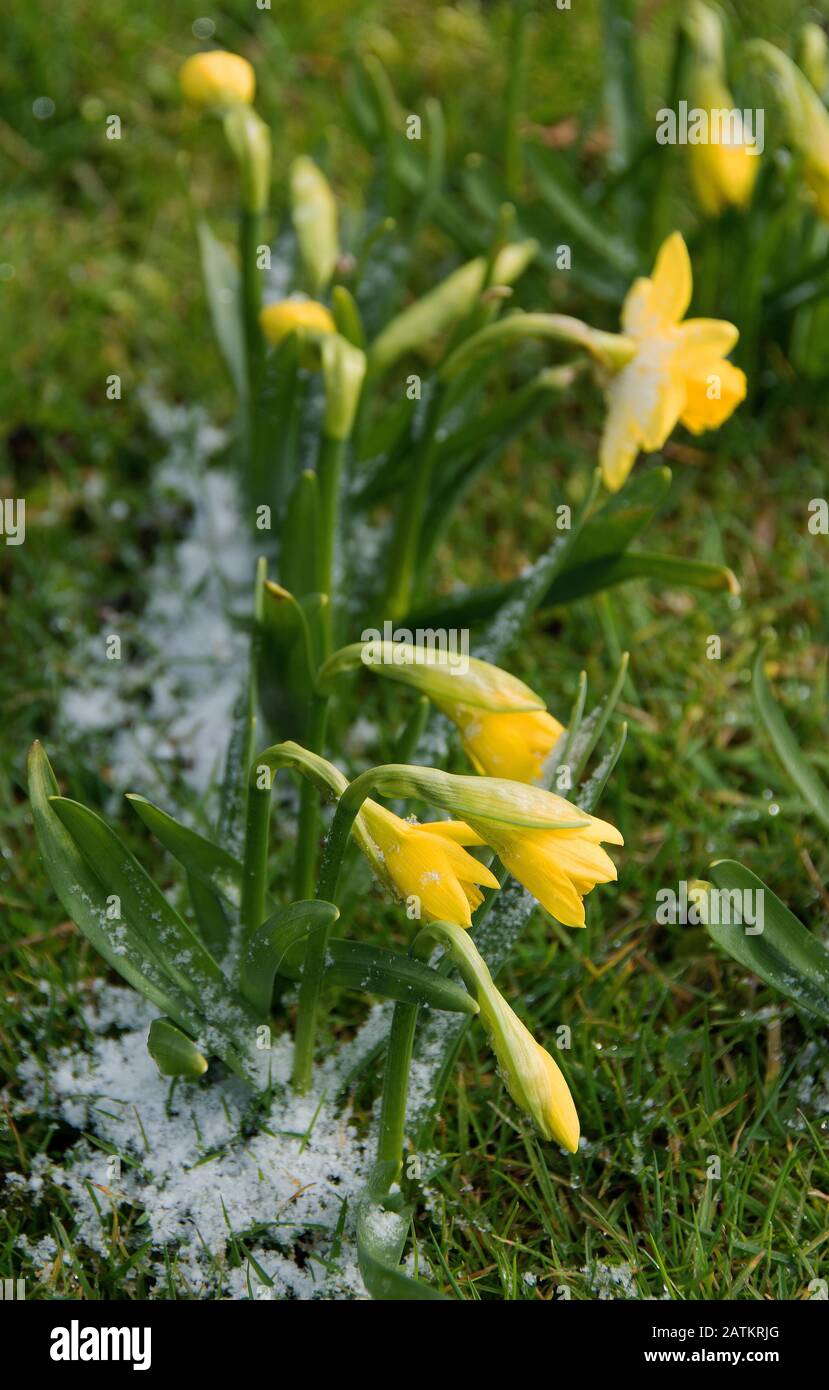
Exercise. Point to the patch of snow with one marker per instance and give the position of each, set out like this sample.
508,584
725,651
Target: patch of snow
236,1204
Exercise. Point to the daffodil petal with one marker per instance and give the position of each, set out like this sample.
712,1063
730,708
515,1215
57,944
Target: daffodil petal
701,340
672,279
711,397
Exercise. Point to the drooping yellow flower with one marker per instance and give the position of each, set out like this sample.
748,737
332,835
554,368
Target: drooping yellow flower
305,317
559,867
676,372
515,746
505,728
425,861
217,78
551,846
532,1077
723,167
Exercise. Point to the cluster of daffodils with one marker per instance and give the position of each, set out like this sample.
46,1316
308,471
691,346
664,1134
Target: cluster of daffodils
547,843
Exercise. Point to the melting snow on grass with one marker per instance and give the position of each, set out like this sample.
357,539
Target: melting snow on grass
236,1203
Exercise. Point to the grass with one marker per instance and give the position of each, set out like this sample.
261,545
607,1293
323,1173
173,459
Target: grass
676,1056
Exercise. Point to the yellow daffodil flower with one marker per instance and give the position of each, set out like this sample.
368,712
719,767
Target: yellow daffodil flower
305,317
532,1077
551,846
505,728
217,79
676,372
723,168
515,746
559,867
425,861
657,371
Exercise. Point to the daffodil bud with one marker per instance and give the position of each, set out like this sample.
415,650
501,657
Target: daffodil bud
343,368
494,802
441,675
806,117
532,1077
447,304
724,167
217,79
305,317
314,213
814,56
505,728
250,140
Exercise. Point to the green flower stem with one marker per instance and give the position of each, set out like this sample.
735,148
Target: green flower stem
392,1131
313,968
305,863
255,864
250,231
516,83
406,539
329,471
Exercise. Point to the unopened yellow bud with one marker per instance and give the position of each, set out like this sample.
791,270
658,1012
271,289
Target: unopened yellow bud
217,79
304,317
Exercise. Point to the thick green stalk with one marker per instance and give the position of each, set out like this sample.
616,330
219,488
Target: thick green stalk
305,863
406,539
329,473
314,965
516,85
249,236
255,864
392,1131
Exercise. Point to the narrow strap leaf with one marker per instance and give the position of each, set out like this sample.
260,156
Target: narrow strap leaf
375,970
785,745
782,952
269,946
213,866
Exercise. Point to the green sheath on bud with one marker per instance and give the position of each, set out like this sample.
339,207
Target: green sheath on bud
314,213
173,1052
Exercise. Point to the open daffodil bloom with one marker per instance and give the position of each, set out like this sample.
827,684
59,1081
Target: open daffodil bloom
427,862
559,867
551,846
677,371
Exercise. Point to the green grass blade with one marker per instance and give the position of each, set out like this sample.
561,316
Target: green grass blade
785,745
